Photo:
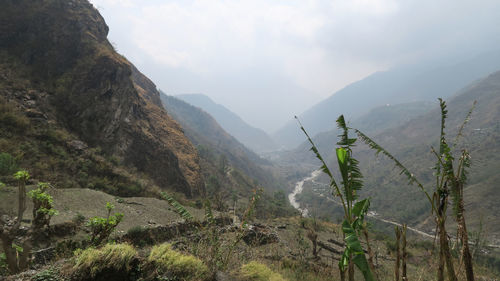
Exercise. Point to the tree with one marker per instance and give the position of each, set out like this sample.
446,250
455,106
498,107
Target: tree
17,254
218,194
43,207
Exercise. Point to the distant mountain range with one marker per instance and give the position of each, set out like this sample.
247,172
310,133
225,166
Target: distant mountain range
254,138
420,82
375,121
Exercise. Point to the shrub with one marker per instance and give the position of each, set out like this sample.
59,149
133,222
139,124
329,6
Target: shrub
256,271
176,264
8,164
103,227
92,262
46,275
139,236
43,206
78,219
3,265
11,119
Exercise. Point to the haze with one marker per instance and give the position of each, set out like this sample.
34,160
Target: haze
270,60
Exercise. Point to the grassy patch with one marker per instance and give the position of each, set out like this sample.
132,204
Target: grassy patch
92,262
256,271
11,119
177,265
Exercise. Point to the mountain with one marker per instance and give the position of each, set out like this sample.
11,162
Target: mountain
88,117
419,82
204,132
256,139
411,143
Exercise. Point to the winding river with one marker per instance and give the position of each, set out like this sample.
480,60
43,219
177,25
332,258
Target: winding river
298,189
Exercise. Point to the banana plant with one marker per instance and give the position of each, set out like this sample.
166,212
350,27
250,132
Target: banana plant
354,209
449,180
178,208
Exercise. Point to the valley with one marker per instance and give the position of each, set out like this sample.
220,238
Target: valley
105,176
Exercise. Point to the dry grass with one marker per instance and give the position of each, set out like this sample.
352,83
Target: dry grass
176,264
93,261
255,271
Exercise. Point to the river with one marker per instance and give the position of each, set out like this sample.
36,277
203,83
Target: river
298,189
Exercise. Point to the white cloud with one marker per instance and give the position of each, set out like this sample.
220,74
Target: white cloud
309,47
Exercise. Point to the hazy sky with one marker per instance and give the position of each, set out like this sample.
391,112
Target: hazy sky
269,60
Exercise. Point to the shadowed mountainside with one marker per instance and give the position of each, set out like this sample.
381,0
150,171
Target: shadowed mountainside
202,129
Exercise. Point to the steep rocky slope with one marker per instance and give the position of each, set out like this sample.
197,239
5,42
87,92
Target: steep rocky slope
57,63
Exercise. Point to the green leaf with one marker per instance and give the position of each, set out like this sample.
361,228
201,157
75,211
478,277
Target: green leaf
361,207
411,177
344,167
354,248
109,206
467,119
324,167
344,260
359,210
344,137
179,209
22,175
18,248
209,216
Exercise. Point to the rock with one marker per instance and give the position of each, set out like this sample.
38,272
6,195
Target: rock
32,113
31,103
260,235
77,145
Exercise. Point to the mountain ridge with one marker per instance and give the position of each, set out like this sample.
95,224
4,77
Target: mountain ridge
419,82
254,138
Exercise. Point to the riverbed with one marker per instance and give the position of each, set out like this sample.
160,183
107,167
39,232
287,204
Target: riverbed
298,190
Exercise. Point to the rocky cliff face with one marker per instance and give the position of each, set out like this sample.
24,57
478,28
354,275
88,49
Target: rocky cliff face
94,92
